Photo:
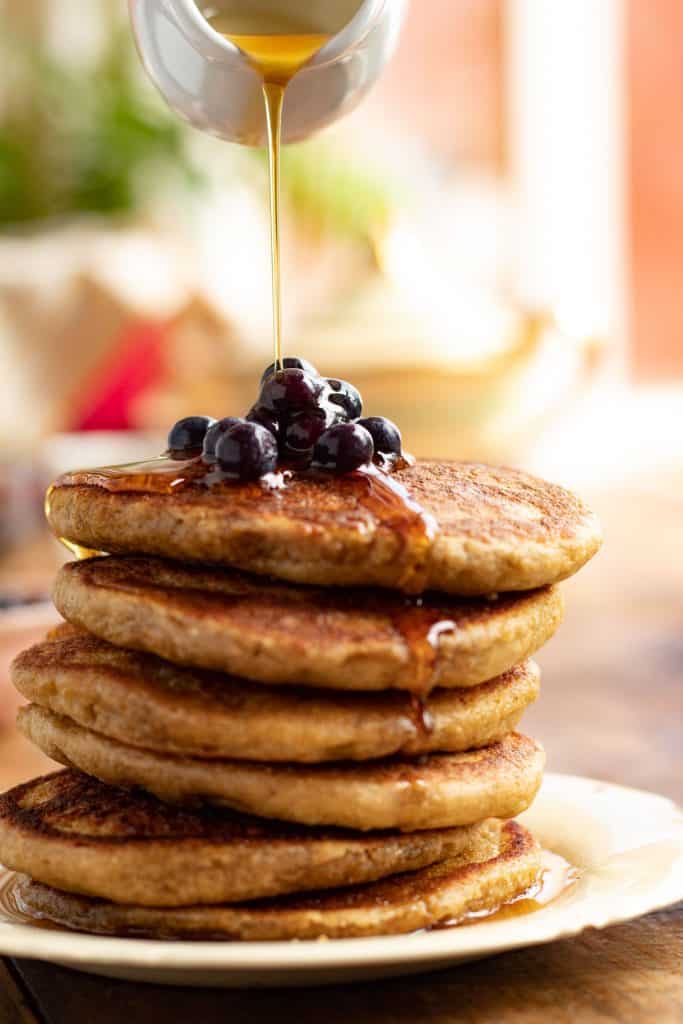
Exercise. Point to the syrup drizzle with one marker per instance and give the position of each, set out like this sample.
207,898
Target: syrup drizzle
162,475
421,628
10,908
421,716
557,877
390,503
277,48
420,625
79,552
387,500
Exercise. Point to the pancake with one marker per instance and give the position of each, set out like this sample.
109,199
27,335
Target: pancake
459,528
146,702
437,791
442,893
72,832
278,633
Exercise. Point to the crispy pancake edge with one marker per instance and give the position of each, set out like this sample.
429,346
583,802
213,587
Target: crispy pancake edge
350,651
144,702
405,903
437,791
75,833
302,538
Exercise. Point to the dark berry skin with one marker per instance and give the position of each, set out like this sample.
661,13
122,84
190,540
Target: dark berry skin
385,435
215,431
343,448
343,394
246,451
267,419
301,433
290,391
188,434
289,363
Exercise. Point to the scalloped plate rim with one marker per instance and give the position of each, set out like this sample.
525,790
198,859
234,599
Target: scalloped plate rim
649,844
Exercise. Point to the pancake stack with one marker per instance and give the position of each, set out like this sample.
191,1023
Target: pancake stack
288,710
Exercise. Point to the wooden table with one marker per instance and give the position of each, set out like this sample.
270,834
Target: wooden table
610,707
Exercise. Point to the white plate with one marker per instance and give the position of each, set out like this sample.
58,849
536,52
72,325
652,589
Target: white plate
627,844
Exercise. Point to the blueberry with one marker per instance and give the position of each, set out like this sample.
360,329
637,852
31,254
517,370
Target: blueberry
246,451
384,433
290,362
290,391
188,434
343,448
301,433
215,431
343,394
257,414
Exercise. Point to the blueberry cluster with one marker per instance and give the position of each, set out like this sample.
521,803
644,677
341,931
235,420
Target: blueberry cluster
300,419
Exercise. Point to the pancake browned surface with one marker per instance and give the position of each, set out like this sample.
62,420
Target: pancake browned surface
494,529
279,633
73,832
437,791
476,880
146,702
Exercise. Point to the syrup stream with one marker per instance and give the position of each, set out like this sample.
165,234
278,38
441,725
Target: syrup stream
274,96
277,47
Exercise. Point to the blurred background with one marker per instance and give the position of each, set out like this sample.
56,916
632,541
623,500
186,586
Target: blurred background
490,248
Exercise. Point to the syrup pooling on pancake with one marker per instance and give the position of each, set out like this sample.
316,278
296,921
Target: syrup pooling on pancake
372,489
162,475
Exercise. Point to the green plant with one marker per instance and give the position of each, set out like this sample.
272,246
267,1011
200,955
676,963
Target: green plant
81,140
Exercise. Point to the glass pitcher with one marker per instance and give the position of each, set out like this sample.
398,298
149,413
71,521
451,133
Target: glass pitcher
210,83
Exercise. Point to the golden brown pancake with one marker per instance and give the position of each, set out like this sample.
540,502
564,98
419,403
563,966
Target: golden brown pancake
75,833
354,639
436,791
476,880
459,528
146,702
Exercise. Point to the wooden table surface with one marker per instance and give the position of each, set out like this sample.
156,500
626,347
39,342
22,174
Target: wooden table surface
610,707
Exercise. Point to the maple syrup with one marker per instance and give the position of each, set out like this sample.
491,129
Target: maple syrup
10,906
162,475
557,877
421,716
421,628
79,552
391,505
277,44
370,488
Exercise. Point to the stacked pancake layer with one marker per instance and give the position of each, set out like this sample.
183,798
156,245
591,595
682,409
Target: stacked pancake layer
250,757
